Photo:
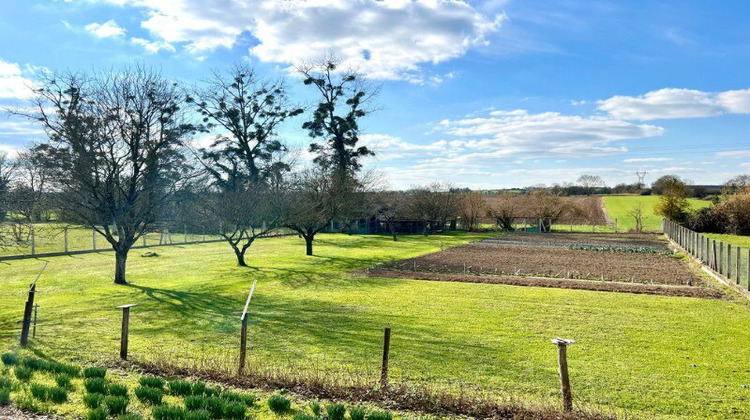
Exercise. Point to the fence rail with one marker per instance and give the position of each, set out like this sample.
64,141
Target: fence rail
730,262
50,240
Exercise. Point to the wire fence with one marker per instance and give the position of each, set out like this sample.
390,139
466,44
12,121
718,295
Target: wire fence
731,262
54,239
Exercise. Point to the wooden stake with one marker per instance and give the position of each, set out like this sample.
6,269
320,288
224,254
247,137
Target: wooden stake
65,239
26,325
386,357
562,360
124,330
36,313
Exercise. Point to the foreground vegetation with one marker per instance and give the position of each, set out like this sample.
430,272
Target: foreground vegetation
649,355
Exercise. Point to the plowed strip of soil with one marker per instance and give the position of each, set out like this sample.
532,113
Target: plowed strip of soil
558,262
638,288
553,239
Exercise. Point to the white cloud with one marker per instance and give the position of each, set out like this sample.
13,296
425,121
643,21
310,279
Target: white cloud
13,83
9,150
672,103
655,159
737,154
108,29
545,134
153,47
387,40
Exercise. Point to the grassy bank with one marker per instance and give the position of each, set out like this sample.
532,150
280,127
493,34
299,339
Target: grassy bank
650,355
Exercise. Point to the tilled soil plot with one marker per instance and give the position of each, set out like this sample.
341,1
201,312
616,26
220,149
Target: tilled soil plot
567,239
492,257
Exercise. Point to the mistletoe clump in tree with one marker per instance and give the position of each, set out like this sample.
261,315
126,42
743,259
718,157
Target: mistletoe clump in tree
245,162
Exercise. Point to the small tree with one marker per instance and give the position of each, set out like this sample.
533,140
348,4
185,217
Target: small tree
114,150
737,210
313,202
547,207
673,202
636,212
393,208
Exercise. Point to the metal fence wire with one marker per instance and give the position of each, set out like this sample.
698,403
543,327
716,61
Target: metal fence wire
731,262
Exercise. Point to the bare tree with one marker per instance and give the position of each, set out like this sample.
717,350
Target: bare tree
636,212
8,168
393,208
314,200
434,205
504,209
246,161
29,191
590,183
114,149
473,207
547,207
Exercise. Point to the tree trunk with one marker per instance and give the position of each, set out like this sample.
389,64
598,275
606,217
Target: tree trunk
309,244
121,259
240,254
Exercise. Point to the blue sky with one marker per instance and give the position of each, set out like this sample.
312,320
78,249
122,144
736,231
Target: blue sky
487,94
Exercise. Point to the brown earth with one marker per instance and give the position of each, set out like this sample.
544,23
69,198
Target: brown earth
606,286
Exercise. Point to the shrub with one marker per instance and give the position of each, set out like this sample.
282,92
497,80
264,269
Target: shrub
98,413
336,411
195,402
180,388
152,382
168,412
58,394
93,400
212,391
117,390
279,404
9,359
130,416
198,388
380,415
39,391
23,373
35,364
63,380
315,407
6,383
4,396
94,372
234,410
116,405
198,415
26,402
69,370
215,406
247,399
149,395
95,385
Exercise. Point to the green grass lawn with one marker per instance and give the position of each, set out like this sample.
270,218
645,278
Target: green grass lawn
618,207
743,241
650,355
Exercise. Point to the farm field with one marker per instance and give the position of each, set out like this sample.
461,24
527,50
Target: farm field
618,207
743,241
653,356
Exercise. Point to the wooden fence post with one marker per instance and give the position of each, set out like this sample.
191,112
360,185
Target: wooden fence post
243,331
562,360
737,271
143,239
124,330
93,239
386,357
729,261
26,323
65,239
